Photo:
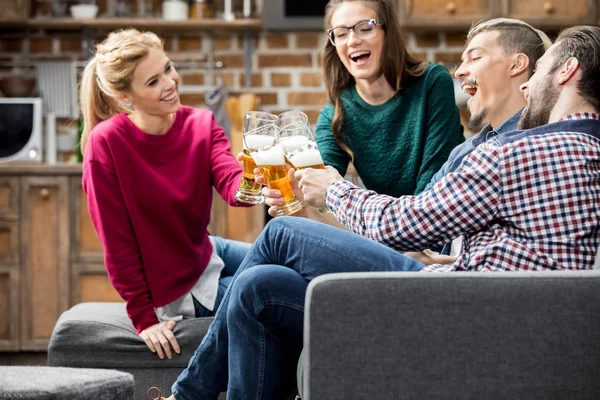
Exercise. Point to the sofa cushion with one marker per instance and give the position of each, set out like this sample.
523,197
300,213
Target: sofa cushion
50,383
101,335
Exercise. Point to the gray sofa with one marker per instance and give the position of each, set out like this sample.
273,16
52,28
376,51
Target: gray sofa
452,336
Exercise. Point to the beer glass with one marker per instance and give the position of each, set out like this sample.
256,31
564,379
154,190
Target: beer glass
297,141
259,131
271,162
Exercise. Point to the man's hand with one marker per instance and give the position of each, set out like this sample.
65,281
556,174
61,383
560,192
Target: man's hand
315,182
428,257
159,336
273,197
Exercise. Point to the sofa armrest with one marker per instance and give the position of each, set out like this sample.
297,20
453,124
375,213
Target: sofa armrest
468,335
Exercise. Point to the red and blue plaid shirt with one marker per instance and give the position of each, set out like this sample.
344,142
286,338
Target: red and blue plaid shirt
532,204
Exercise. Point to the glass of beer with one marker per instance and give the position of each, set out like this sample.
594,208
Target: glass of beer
297,141
259,131
271,162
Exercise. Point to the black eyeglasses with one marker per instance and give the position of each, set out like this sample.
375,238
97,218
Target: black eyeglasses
366,29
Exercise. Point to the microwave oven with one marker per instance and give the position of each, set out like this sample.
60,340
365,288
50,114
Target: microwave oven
20,129
294,14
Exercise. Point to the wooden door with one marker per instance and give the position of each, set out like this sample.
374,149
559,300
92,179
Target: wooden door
552,13
45,265
436,14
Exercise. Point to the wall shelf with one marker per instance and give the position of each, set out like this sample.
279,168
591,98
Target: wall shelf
74,24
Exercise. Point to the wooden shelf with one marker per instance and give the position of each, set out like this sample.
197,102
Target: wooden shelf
73,24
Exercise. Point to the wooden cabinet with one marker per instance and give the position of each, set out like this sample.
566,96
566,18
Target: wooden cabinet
544,13
10,245
459,15
45,266
437,14
50,255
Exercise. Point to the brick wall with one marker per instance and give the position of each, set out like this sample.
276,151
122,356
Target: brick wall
286,66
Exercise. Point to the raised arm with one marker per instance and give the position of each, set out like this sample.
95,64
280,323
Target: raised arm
462,202
330,150
226,172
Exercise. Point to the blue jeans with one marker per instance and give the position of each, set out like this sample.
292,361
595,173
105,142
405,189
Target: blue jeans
232,253
252,346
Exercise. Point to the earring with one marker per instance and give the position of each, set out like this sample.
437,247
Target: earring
129,105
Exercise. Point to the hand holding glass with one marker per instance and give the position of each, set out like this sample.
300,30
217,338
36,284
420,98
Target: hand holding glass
259,131
271,162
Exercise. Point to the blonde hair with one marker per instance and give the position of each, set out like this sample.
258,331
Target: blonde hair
515,36
109,73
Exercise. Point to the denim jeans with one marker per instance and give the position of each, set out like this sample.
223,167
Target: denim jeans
232,253
252,346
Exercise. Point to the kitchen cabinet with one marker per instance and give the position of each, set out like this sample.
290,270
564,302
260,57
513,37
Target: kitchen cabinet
552,13
44,267
439,14
459,15
50,255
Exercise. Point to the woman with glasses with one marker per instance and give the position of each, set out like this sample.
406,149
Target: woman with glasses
394,117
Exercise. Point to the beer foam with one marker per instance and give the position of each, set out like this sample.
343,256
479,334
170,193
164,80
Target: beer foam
272,156
257,142
306,158
292,143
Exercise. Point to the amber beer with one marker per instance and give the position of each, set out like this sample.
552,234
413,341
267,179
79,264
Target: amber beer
250,191
272,165
307,158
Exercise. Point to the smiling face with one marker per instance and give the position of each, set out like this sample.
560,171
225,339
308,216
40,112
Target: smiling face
154,89
362,58
540,93
485,76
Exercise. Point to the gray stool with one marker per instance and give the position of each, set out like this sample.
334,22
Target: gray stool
51,383
100,335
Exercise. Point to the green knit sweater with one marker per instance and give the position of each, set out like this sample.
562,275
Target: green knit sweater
399,145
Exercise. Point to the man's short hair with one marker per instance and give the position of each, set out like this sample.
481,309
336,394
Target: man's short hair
583,43
515,36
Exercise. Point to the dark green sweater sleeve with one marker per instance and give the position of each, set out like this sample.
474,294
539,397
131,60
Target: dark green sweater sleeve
443,131
331,152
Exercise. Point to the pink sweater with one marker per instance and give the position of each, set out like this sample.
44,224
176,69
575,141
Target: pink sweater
149,197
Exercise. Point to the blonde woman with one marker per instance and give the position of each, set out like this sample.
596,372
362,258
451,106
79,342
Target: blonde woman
149,168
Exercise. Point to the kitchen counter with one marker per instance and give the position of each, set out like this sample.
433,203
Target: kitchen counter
24,168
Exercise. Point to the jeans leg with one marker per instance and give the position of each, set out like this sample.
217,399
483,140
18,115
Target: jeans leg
265,326
203,312
312,249
232,252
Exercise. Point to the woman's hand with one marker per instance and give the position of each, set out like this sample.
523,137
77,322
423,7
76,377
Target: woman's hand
158,338
428,257
315,182
273,197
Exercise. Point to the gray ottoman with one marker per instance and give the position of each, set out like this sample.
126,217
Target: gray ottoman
100,335
47,383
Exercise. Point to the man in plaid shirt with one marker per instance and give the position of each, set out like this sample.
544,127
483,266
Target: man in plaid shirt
529,200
